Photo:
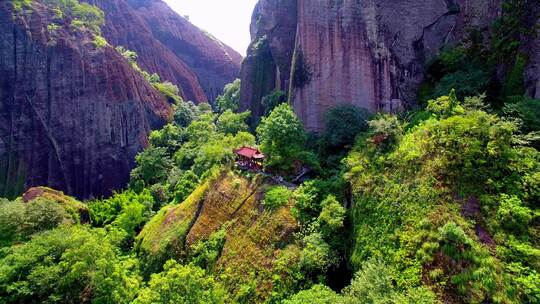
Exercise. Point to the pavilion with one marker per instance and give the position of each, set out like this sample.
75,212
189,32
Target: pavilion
249,158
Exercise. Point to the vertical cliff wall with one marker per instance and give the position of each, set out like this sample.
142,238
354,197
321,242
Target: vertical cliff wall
268,64
73,115
125,27
172,47
214,63
532,47
362,52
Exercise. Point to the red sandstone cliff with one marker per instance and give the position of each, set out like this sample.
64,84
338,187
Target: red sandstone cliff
367,53
169,45
73,115
214,63
125,27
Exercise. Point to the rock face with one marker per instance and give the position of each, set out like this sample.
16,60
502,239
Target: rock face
72,115
364,52
532,47
214,63
172,47
268,64
124,27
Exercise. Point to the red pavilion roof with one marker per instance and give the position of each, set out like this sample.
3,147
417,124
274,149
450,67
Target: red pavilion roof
249,152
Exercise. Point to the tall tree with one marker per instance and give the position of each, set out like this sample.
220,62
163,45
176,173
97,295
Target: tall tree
282,138
230,98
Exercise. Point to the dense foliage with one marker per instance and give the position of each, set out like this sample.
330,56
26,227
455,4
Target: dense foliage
437,206
230,100
181,284
441,205
20,220
440,193
67,265
282,138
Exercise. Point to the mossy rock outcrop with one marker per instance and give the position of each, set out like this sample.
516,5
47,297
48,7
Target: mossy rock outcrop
76,211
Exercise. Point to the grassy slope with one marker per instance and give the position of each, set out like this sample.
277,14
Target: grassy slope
435,209
255,238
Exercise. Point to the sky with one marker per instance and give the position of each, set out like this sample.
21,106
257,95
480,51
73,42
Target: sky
227,20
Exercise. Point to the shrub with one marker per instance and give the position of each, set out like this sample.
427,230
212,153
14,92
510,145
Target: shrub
12,216
185,113
454,240
161,196
307,200
205,254
100,42
19,5
513,215
332,217
205,108
232,123
317,256
230,99
372,284
386,131
526,109
185,186
104,212
167,89
276,197
181,284
170,137
42,214
318,294
272,100
343,123
445,106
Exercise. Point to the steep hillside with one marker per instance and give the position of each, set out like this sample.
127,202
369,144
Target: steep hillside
450,204
366,53
74,112
250,239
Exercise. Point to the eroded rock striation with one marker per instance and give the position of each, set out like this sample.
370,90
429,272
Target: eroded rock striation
72,115
364,52
532,47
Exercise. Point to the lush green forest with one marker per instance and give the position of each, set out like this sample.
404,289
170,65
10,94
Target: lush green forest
436,205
